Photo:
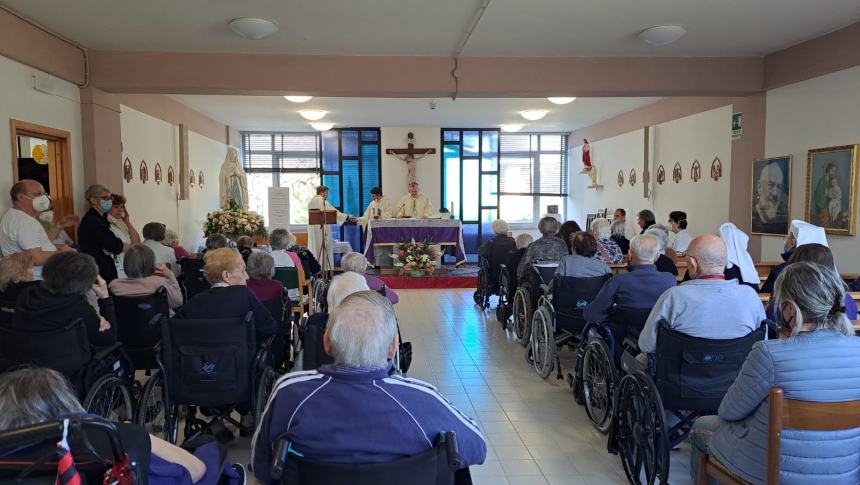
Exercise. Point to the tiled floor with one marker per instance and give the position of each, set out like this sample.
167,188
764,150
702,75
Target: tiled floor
537,434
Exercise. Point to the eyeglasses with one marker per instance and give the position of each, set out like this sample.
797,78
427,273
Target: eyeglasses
33,195
104,197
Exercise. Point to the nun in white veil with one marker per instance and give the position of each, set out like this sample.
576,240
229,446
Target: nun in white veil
800,233
739,263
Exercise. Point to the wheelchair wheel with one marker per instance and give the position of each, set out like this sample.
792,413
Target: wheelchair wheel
110,398
522,315
151,411
478,297
641,431
543,342
502,309
319,291
264,387
598,383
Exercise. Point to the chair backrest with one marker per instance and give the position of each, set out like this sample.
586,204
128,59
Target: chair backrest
499,253
65,350
803,415
208,362
276,309
570,296
694,373
288,276
545,270
136,317
192,276
633,319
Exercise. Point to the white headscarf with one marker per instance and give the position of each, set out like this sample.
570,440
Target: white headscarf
737,254
806,233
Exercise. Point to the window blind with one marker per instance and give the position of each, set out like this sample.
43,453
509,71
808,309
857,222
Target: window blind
533,164
280,152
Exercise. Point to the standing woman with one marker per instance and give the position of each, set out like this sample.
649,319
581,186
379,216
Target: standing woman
121,227
94,234
678,225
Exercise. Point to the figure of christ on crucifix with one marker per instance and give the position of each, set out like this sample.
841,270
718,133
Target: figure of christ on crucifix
410,154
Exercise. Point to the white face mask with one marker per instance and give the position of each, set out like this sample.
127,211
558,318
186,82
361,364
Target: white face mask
41,203
47,216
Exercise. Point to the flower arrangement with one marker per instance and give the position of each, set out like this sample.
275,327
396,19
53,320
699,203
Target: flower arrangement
414,256
235,222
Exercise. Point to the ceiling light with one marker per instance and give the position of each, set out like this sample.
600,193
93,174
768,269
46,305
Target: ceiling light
512,127
253,28
298,99
313,114
662,34
322,125
533,114
561,100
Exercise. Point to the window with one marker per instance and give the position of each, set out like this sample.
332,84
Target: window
533,172
281,160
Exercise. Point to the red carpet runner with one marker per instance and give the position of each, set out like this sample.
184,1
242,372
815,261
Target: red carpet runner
411,282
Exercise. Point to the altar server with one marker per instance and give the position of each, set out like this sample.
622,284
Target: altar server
316,235
379,208
415,204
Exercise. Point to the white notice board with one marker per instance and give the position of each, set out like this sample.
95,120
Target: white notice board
279,208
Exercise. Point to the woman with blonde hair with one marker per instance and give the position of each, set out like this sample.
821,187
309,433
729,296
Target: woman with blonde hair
16,274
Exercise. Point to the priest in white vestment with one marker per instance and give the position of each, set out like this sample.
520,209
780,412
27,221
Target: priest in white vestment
316,235
379,208
415,204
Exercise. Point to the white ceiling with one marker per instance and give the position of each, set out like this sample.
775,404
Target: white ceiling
435,27
274,113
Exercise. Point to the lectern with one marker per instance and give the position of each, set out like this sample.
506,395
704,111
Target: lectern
322,219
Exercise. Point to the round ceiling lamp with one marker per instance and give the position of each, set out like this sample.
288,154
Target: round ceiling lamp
253,28
322,125
567,100
298,99
533,114
511,127
662,34
313,114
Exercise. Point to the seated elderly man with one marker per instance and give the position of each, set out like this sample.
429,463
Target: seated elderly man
708,306
357,263
352,411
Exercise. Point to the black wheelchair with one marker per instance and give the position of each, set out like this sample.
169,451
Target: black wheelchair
481,296
213,364
598,358
526,298
558,319
686,378
193,281
102,377
437,466
103,451
507,287
319,289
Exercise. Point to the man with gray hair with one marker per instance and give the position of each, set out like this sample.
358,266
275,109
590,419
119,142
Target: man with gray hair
352,411
708,306
664,263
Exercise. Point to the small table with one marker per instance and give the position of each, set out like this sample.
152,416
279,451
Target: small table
389,232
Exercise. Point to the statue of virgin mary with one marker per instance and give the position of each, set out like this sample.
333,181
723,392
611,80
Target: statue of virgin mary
233,185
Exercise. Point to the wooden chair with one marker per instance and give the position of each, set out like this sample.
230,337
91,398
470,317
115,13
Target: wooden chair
787,414
292,278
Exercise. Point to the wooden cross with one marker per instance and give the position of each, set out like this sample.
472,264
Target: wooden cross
410,154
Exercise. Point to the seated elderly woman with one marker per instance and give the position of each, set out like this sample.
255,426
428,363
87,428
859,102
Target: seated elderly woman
548,247
261,270
495,250
171,240
357,263
819,362
16,274
37,395
664,262
341,287
229,297
583,263
619,235
608,250
245,245
61,299
144,278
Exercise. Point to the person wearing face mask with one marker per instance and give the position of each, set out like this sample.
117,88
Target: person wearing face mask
56,228
94,234
21,232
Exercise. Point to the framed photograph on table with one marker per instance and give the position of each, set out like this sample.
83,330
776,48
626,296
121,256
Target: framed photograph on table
831,188
770,205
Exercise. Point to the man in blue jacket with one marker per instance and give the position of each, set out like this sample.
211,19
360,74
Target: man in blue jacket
352,411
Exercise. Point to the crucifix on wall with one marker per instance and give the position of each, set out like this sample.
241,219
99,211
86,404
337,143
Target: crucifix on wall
410,154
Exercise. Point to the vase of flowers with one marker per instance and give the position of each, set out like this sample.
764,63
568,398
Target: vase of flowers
234,222
414,257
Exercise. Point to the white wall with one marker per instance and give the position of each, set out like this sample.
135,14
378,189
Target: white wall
817,113
428,170
702,137
207,155
62,111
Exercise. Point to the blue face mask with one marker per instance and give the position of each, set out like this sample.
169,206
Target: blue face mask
105,205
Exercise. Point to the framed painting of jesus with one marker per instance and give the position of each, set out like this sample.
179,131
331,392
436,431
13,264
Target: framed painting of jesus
831,188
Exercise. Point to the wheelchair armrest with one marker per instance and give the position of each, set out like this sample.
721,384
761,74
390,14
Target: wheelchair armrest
105,351
630,345
282,449
450,438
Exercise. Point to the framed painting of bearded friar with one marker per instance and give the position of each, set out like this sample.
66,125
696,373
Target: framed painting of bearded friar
831,188
771,195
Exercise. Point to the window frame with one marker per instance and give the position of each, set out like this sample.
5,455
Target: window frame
535,156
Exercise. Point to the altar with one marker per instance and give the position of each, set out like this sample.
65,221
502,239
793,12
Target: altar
389,232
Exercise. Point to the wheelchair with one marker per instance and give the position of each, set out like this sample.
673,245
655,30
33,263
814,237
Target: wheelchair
506,288
686,378
102,376
439,465
526,298
558,319
319,290
598,358
481,296
193,281
214,364
103,451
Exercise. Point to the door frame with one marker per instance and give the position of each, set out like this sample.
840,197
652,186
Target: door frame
60,149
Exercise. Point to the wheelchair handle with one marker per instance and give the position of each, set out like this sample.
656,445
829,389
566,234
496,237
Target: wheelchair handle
282,449
453,451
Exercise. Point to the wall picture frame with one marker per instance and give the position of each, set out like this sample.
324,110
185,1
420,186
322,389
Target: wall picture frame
770,199
831,188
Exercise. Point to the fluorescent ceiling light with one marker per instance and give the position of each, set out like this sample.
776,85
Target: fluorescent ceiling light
253,28
313,114
561,100
533,114
512,127
662,34
322,125
298,99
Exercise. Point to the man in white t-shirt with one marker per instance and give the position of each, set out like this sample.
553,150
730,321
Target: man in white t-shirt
21,232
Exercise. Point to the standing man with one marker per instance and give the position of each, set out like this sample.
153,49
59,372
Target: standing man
316,235
21,232
415,204
380,208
